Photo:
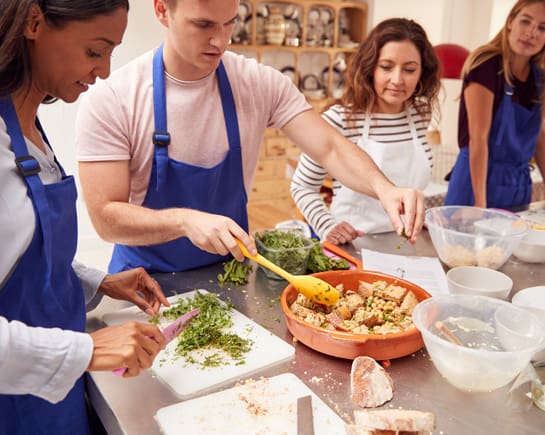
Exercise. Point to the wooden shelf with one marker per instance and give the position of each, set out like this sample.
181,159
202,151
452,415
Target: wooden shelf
269,199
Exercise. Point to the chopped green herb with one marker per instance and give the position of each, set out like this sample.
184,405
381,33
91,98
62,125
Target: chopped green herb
235,272
319,262
286,249
404,238
208,332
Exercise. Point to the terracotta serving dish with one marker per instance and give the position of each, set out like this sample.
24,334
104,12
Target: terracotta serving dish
348,345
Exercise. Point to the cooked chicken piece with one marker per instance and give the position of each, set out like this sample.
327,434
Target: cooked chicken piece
337,321
354,301
392,293
408,304
316,319
343,311
372,319
365,289
300,311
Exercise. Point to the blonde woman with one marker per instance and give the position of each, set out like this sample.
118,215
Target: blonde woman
500,118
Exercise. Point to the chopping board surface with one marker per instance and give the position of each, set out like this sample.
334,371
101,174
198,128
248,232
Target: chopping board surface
266,406
190,380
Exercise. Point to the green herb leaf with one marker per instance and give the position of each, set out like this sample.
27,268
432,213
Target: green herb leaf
319,262
208,331
235,272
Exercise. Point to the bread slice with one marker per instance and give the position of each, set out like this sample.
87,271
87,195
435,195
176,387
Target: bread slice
395,419
370,384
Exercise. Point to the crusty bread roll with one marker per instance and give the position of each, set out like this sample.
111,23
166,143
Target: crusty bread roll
395,420
370,385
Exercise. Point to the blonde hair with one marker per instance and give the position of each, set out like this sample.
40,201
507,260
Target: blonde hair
499,45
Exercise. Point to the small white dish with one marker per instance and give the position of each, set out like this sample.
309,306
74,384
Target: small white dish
482,281
533,300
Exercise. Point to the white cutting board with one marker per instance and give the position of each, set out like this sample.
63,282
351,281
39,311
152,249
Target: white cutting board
267,406
191,380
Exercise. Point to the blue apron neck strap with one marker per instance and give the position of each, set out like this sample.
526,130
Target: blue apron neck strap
229,108
29,168
161,137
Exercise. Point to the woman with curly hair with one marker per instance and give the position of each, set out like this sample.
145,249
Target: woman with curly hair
392,87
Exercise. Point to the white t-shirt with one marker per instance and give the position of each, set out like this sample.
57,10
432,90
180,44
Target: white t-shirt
115,117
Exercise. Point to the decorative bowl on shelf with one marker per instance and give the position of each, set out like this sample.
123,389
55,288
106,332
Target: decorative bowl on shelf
350,345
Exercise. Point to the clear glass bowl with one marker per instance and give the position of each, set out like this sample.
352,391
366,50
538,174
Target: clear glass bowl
472,236
498,339
291,254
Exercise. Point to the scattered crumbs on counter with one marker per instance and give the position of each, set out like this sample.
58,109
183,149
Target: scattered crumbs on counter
294,340
316,380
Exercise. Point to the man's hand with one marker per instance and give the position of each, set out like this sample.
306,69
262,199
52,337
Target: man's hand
216,234
135,286
398,201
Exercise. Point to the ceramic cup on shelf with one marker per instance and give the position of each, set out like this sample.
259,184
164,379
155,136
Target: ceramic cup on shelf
275,27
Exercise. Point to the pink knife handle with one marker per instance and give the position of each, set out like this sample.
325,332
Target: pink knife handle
121,370
169,332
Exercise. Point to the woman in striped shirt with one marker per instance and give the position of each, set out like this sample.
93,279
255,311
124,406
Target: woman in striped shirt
392,88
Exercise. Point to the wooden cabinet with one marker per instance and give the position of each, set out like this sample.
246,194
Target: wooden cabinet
310,41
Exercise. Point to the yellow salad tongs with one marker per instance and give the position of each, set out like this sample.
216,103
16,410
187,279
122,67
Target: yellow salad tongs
313,288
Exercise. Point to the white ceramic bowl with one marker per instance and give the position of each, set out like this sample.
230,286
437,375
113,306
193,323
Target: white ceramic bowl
532,247
533,300
475,280
473,236
486,361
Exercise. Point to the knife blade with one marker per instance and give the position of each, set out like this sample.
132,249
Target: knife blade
305,418
170,332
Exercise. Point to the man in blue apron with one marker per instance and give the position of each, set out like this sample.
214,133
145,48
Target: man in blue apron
183,205
218,190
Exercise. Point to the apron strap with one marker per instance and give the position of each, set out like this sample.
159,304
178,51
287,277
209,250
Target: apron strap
161,137
29,168
229,108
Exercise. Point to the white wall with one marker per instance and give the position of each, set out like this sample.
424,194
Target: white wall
466,22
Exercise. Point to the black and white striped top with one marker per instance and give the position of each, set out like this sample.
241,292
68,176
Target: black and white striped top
309,175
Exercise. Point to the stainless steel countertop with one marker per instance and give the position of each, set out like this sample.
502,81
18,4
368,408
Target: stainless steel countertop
129,405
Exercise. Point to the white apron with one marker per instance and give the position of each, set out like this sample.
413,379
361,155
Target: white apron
404,164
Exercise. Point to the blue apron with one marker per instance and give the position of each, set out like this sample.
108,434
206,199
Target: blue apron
218,190
511,145
44,290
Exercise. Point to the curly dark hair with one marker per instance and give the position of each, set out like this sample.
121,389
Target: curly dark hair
360,94
15,68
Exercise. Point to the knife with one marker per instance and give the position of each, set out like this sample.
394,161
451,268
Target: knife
170,332
305,419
